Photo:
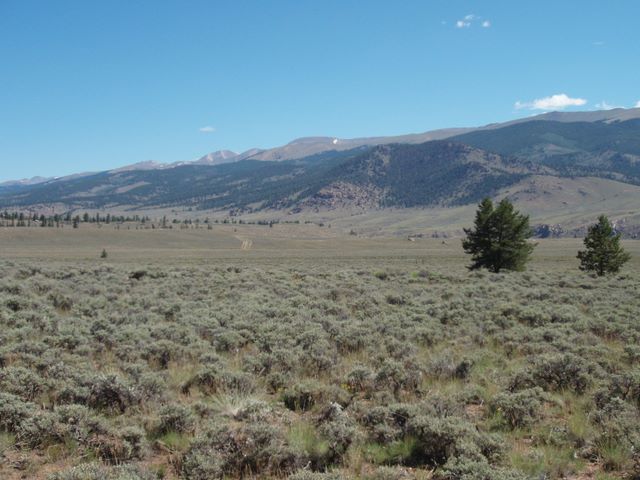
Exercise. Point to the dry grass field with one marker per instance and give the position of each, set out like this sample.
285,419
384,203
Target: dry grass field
296,352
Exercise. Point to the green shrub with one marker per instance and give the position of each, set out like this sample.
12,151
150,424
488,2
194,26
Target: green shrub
225,450
519,409
360,379
79,423
120,445
13,411
395,452
396,376
439,440
446,367
626,386
175,418
464,469
617,431
309,475
554,372
337,429
211,380
111,392
22,382
302,396
96,471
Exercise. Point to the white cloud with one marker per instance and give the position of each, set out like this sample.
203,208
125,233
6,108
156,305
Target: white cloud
637,104
603,105
598,43
554,102
472,19
208,129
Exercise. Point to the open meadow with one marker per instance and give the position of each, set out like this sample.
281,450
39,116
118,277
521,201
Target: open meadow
294,351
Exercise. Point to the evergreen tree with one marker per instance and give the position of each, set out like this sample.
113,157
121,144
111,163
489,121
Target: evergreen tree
603,252
499,239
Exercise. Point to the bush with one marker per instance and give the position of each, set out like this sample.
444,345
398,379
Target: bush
463,469
175,418
111,393
554,372
617,431
446,367
96,471
211,380
520,409
397,376
626,386
13,411
360,380
22,382
389,473
308,475
79,423
119,446
303,396
338,430
225,450
439,440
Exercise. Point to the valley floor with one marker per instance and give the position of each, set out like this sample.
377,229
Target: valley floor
296,352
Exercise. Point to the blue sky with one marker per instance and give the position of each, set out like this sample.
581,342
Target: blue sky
90,85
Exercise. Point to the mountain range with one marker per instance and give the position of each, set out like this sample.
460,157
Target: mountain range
442,168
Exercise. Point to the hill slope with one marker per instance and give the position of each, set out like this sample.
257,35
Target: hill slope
606,149
602,146
433,173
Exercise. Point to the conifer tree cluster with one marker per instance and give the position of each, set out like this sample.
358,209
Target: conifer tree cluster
603,253
498,240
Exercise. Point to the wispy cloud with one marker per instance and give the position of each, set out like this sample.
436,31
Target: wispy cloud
599,43
207,129
471,19
554,102
603,105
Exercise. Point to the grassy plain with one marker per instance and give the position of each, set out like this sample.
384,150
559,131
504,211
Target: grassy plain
295,351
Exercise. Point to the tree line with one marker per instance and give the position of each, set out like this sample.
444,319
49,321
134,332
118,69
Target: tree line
22,219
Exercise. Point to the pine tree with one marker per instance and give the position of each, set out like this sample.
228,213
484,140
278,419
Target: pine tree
499,239
603,253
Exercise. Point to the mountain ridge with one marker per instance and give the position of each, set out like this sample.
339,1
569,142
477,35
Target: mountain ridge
307,146
456,170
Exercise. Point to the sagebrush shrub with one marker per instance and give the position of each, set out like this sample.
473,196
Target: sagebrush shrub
175,418
96,471
556,372
519,409
224,450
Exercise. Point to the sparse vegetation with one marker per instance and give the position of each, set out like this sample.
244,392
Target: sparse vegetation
359,369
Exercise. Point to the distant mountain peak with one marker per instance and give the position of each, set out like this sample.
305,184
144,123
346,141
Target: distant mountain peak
146,165
26,181
312,140
216,158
